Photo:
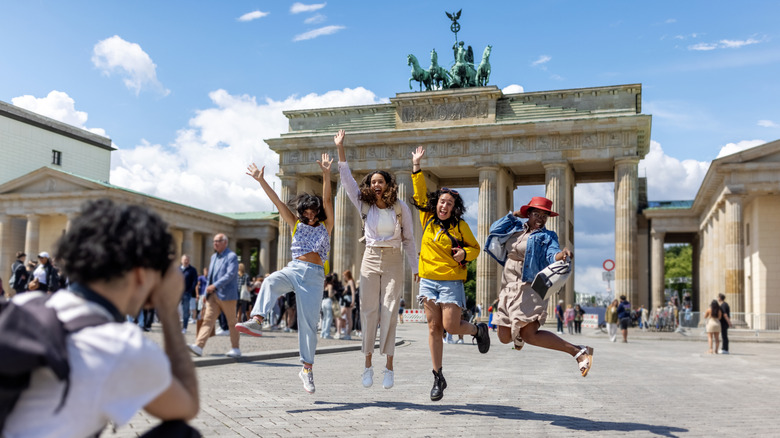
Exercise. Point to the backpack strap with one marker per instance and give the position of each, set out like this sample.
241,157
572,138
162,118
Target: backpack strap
364,207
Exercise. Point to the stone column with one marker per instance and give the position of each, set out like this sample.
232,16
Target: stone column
70,217
403,178
657,269
6,250
31,237
289,190
188,243
559,188
488,213
343,232
734,260
246,255
626,204
264,259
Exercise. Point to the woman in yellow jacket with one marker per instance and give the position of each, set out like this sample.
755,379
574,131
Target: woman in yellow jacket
447,245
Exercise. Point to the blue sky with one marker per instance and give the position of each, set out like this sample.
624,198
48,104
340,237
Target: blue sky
187,90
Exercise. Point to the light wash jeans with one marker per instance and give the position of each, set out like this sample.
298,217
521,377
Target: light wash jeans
307,281
327,317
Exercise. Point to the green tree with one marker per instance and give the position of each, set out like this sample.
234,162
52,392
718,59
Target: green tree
471,283
678,263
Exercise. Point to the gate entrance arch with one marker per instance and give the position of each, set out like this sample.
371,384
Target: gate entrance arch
480,137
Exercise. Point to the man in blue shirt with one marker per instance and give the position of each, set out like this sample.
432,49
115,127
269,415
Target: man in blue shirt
221,296
190,280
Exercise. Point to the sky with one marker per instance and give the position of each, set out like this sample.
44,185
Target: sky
188,91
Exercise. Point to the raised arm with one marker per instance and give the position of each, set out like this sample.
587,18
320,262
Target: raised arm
339,140
327,195
284,211
416,158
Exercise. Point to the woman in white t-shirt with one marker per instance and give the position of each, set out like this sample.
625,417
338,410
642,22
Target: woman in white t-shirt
387,231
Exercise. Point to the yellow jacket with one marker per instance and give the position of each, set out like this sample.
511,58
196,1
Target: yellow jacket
436,262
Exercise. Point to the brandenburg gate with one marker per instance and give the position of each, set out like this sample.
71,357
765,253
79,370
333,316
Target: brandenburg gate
480,137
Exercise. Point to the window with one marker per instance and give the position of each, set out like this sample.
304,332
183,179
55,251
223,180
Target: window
56,157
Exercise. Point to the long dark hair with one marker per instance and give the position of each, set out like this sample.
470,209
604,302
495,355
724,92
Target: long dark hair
714,309
369,197
458,210
304,202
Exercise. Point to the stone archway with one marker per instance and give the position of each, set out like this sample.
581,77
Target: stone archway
479,137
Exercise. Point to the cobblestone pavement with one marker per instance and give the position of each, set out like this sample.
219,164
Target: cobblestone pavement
655,385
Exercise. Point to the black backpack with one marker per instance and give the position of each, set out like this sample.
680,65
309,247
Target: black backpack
33,337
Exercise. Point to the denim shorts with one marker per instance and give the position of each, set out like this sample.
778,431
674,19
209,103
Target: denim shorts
443,291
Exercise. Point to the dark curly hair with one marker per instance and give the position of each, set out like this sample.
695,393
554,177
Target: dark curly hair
369,197
108,240
304,202
458,210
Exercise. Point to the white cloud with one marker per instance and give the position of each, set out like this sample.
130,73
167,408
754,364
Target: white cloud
327,30
670,21
115,55
600,196
544,59
205,166
254,15
669,178
513,89
767,124
59,106
297,7
315,19
733,148
724,44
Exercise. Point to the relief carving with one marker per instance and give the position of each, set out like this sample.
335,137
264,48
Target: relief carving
444,111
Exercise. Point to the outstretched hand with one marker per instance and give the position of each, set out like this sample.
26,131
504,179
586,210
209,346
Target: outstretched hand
418,154
254,172
326,160
339,138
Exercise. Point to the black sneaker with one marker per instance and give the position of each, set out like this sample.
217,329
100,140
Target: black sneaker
483,338
439,385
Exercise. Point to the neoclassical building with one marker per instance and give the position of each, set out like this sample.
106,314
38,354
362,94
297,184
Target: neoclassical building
734,227
49,169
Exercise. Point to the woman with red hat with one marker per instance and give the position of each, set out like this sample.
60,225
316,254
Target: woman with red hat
524,248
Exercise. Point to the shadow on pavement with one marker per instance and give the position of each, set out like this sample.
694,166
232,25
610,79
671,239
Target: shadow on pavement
503,412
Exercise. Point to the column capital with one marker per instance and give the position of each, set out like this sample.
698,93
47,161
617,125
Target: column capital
626,160
487,166
556,164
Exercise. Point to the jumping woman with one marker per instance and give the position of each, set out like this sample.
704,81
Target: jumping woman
312,224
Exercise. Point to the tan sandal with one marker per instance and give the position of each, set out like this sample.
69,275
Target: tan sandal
586,363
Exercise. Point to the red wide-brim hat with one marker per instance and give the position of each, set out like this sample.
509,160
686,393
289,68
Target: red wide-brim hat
539,203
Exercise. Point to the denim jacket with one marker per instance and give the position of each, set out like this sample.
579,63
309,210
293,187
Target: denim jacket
541,250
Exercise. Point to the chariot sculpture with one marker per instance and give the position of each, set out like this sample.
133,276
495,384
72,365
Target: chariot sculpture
462,74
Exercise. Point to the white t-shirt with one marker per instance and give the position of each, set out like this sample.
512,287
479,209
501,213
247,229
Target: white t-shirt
115,371
385,224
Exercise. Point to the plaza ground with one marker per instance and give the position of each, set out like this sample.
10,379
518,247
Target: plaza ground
655,385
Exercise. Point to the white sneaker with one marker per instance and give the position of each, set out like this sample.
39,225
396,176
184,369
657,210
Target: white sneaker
234,352
197,351
346,338
459,341
250,327
308,379
184,331
388,381
368,377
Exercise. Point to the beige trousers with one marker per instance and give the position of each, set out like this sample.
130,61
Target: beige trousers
381,286
210,314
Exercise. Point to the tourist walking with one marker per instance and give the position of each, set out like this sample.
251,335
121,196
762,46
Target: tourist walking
311,224
559,316
524,248
712,317
579,315
725,323
446,248
624,316
388,232
611,319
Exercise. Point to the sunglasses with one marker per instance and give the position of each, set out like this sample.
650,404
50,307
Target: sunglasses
448,190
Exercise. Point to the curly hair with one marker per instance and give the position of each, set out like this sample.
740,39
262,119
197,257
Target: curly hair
458,210
369,197
108,240
304,202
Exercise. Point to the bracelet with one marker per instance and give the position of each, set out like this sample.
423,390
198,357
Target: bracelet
415,172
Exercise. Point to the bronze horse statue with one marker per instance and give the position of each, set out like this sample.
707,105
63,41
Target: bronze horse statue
418,74
440,77
483,71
